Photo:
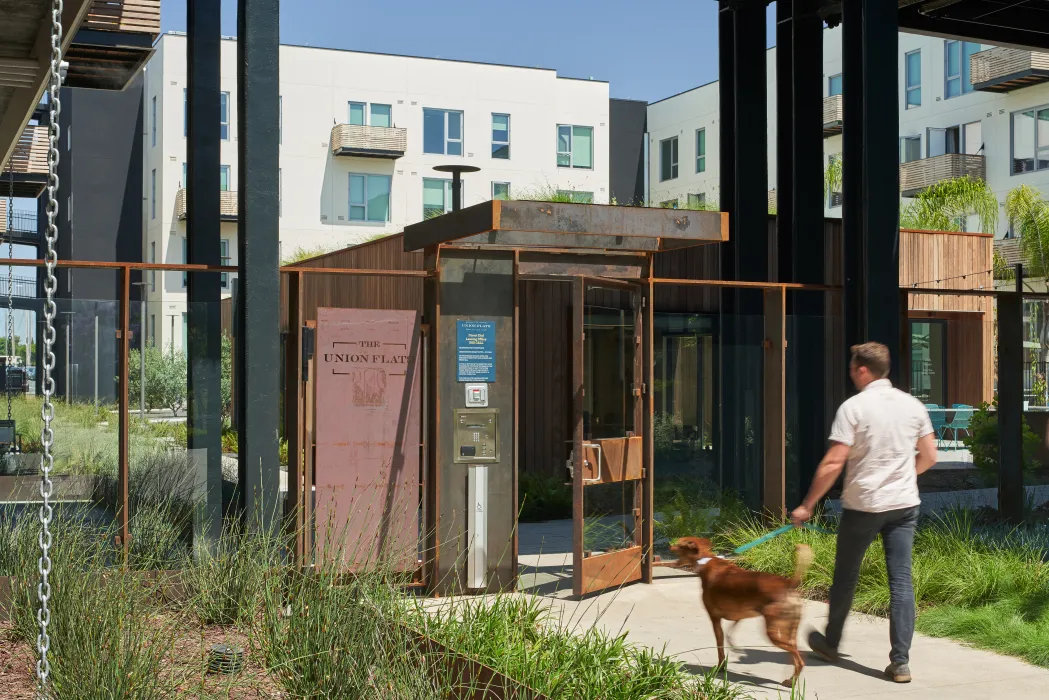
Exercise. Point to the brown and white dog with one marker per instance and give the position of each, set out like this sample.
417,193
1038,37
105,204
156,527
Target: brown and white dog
732,593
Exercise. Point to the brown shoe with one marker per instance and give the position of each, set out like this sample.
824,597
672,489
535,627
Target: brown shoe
899,673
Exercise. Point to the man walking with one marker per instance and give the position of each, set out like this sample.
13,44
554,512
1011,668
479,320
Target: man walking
876,432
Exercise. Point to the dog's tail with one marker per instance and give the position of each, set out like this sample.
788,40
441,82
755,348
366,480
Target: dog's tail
802,562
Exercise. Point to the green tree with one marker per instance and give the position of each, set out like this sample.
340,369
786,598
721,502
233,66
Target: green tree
1028,215
227,376
947,205
165,379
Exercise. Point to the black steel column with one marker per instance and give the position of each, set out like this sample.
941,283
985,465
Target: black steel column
727,390
745,147
203,320
871,177
258,347
785,135
808,240
1010,403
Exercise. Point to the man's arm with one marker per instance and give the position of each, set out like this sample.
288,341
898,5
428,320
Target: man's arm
926,453
827,473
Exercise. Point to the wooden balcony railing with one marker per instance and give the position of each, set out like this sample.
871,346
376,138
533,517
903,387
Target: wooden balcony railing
227,205
124,16
1003,70
920,174
368,141
832,115
30,154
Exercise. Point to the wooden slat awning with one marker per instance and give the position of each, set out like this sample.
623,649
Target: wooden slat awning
596,227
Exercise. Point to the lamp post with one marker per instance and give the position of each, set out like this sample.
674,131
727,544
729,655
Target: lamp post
457,182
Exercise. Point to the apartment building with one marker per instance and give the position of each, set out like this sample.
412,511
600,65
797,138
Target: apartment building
360,134
964,109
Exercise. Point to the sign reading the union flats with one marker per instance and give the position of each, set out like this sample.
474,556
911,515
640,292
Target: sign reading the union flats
368,428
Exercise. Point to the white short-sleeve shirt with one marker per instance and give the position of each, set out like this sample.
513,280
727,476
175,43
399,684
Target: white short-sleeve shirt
881,426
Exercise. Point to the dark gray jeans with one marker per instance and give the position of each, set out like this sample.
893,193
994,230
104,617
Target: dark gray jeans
856,532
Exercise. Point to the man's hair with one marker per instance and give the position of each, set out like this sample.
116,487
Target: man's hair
873,356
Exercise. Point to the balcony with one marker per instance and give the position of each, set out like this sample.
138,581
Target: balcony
921,174
113,43
22,223
28,163
1005,70
227,205
368,141
832,120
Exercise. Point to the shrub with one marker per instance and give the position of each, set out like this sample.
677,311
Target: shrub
542,497
982,442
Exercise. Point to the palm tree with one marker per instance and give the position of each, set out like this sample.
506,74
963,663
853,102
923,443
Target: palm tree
943,207
946,205
1028,214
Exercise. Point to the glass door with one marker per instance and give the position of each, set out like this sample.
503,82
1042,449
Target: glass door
929,361
608,447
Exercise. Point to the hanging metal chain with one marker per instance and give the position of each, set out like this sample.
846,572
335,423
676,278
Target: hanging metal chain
47,435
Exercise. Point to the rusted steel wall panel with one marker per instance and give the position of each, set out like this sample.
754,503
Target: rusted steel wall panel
368,435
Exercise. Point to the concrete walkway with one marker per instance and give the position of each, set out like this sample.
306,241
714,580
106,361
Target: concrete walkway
670,613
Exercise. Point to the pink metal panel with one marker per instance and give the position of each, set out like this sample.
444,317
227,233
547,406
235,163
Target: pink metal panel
368,401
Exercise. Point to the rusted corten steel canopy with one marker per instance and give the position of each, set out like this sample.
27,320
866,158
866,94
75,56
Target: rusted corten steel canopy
532,225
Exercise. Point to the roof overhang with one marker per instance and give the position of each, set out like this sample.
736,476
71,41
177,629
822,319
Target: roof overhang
599,228
25,35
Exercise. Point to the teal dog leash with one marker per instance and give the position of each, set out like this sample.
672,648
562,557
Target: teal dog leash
776,533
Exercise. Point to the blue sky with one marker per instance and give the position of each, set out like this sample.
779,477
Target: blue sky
645,50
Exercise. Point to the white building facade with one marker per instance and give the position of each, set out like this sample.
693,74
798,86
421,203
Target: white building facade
360,136
940,112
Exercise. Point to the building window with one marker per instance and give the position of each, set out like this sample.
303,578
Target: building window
153,330
153,195
668,204
442,132
185,174
369,197
224,118
153,273
223,178
357,113
437,196
913,81
834,85
701,150
834,199
154,120
224,261
185,334
910,148
575,146
382,115
956,67
1030,149
668,159
501,136
577,196
696,200
185,261
500,190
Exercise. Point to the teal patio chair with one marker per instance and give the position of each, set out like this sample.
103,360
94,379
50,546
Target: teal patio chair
960,421
938,416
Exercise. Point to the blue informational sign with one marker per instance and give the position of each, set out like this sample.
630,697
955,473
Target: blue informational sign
475,351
